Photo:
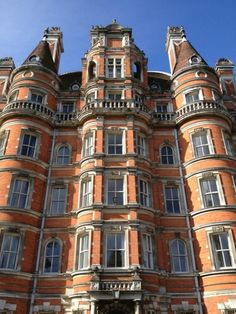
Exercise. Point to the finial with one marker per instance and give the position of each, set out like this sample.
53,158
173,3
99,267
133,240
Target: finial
45,34
183,35
114,21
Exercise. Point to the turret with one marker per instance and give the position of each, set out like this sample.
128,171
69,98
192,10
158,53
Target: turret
225,70
6,67
54,37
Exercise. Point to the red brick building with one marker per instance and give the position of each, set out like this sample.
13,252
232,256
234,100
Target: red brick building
118,185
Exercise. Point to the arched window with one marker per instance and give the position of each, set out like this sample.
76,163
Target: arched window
52,257
91,70
179,256
167,155
136,68
63,155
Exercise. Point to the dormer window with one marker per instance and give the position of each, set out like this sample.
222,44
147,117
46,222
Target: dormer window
75,87
34,58
195,59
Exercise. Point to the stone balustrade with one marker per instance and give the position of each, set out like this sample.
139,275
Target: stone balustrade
116,285
200,107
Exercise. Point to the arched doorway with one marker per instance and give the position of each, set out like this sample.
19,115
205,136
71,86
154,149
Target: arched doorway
115,312
117,307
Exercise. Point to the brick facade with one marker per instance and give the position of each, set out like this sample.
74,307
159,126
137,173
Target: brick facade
117,183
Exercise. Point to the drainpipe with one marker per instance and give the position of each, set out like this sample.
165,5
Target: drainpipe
42,226
188,224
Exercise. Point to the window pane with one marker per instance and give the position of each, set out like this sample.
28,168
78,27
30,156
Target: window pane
210,192
172,200
115,249
63,155
115,193
19,193
9,251
28,145
179,256
52,257
222,250
58,200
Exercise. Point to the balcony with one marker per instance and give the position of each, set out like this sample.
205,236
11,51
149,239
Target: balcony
28,107
164,117
116,285
202,107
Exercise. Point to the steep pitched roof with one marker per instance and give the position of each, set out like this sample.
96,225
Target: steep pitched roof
43,56
184,52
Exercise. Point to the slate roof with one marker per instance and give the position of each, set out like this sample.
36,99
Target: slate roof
42,51
184,51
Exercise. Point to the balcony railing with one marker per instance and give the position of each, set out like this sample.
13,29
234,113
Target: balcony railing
30,107
116,285
200,107
164,116
115,105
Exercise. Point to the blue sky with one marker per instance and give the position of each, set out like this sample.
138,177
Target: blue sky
210,26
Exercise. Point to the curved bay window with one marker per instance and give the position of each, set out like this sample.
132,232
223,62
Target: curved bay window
9,249
115,250
82,251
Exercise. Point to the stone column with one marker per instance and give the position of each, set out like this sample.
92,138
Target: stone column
137,307
93,307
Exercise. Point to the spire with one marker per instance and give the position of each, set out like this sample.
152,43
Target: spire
187,55
180,51
41,55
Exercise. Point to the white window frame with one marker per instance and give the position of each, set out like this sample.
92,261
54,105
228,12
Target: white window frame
16,180
88,144
141,144
145,196
13,96
86,182
122,145
209,144
193,92
52,256
38,94
116,177
35,147
211,176
216,230
112,95
162,106
148,254
91,96
8,251
179,199
228,144
124,250
67,104
84,253
3,142
114,66
58,201
179,256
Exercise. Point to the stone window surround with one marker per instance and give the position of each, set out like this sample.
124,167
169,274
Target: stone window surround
217,230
